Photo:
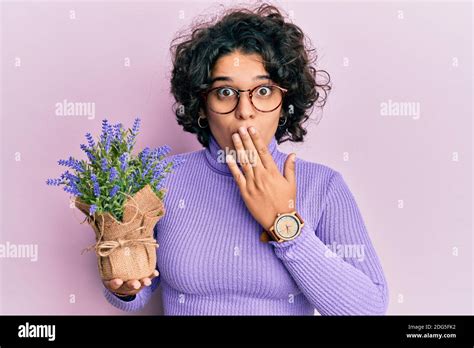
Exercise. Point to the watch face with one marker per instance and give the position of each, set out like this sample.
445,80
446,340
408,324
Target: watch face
287,226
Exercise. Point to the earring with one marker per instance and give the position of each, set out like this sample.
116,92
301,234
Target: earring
282,124
199,119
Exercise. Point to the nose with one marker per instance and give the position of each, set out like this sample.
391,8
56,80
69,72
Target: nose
244,108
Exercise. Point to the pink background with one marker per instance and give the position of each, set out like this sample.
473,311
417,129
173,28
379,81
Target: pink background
375,52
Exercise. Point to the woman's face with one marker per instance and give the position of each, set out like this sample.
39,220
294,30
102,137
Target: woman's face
241,71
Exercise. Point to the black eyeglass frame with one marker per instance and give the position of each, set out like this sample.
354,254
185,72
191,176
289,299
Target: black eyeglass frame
238,91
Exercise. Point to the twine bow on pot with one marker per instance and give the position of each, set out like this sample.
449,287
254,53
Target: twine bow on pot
105,248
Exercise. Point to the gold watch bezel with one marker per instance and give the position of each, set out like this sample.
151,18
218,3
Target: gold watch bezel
279,238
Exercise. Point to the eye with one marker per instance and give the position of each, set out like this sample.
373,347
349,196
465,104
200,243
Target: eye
225,92
264,91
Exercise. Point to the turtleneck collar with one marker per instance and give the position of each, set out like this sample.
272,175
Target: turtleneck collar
215,155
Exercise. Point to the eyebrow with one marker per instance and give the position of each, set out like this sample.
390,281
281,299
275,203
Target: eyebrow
227,78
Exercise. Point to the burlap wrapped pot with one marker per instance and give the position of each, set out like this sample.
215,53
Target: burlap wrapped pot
126,250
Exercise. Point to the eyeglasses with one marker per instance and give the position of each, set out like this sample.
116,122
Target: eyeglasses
224,99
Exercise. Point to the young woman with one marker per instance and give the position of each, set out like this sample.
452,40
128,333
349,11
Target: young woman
259,232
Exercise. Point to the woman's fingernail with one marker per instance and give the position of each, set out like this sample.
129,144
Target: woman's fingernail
252,130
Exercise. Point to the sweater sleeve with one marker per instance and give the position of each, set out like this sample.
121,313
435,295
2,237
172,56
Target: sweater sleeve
336,266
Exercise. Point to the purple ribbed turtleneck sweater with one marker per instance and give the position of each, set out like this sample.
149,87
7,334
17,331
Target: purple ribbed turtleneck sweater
211,261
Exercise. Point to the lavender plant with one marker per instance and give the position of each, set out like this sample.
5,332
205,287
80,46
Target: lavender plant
111,172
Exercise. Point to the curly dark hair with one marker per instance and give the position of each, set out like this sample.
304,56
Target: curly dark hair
261,30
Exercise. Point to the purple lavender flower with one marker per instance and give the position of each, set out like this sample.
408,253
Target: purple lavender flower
71,177
113,174
96,185
91,157
54,182
92,209
96,189
108,138
72,189
136,126
106,135
88,152
144,154
158,170
150,163
160,151
159,185
114,190
131,178
71,185
90,140
117,131
166,162
72,163
105,126
134,132
103,163
147,169
123,161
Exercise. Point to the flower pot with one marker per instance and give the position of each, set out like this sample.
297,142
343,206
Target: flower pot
126,250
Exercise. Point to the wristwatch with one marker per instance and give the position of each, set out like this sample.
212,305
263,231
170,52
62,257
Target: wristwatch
287,226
